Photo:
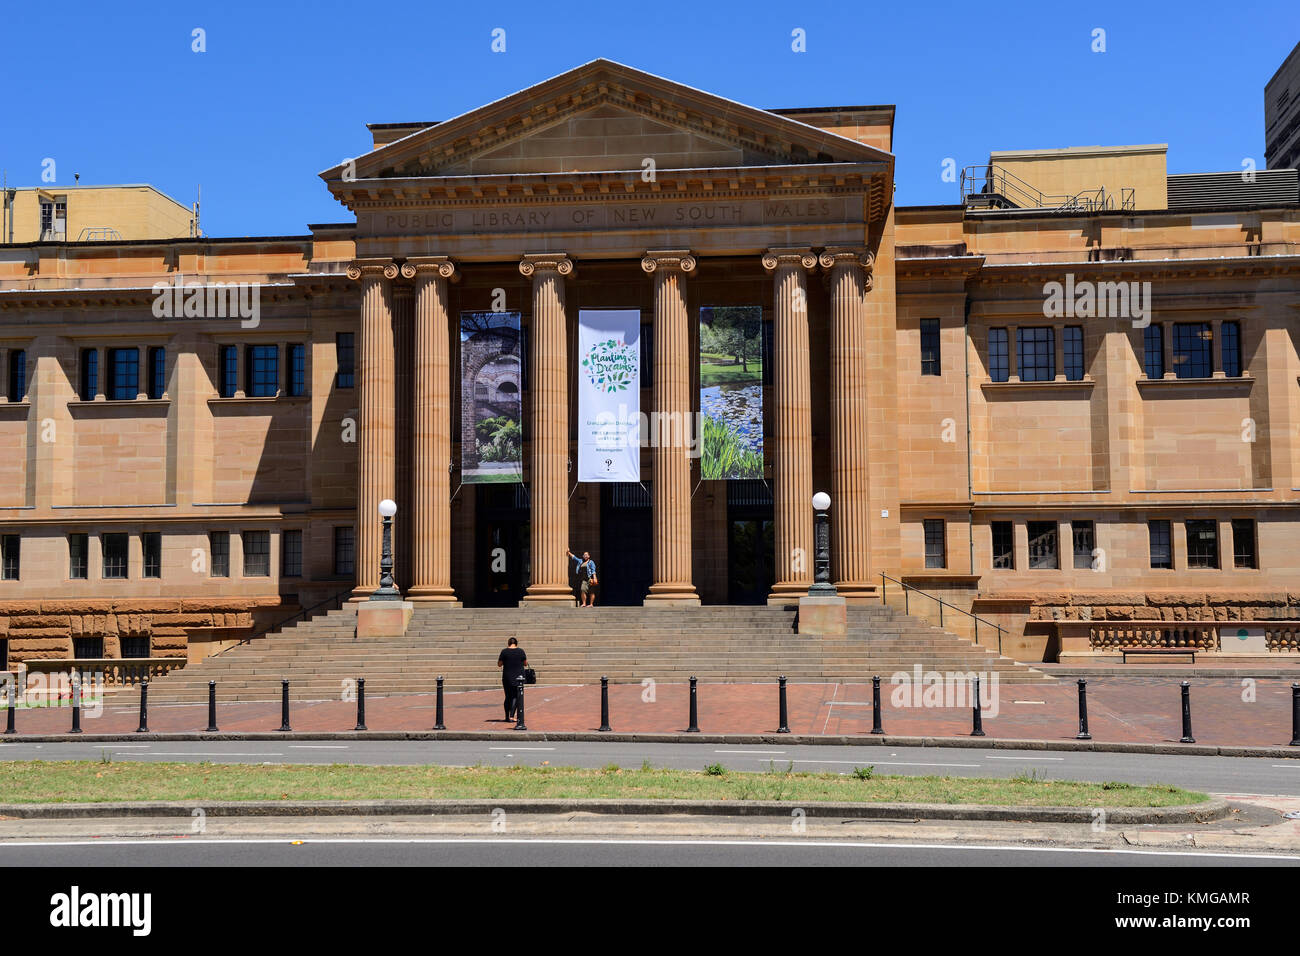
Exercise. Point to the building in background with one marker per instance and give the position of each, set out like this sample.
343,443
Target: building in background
93,214
1282,114
1070,401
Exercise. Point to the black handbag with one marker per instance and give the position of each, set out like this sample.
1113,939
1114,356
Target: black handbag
530,676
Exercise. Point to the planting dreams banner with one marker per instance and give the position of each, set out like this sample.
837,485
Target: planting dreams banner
609,395
731,392
491,408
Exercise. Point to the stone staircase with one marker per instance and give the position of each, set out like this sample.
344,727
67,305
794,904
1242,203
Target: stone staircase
578,646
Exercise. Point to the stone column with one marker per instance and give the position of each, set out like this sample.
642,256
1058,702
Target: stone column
430,512
670,452
403,349
850,513
549,421
792,460
375,424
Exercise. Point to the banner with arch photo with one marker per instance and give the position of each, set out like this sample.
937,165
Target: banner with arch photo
609,395
491,394
731,392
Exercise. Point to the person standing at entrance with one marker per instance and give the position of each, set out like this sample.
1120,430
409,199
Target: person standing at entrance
512,660
586,569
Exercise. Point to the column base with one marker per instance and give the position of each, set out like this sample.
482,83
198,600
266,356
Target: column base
445,597
823,616
552,594
858,592
360,594
787,593
672,593
383,618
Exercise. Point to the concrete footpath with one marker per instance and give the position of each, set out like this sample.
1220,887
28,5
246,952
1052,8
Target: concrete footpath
1230,715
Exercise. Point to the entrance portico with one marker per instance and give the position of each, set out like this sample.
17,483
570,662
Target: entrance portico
610,188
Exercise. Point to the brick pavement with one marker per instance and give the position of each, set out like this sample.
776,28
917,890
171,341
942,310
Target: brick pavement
1121,709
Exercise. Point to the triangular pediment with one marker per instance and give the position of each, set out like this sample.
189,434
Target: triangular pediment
604,117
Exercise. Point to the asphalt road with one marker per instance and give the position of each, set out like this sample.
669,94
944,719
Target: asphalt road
1228,775
537,851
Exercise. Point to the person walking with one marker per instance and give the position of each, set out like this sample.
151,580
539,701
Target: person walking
586,569
512,660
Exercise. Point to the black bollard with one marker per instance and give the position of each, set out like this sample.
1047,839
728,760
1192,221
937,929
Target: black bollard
144,707
437,718
1187,737
361,704
1083,712
604,705
784,727
212,707
1295,715
694,728
876,727
978,729
13,706
76,703
519,704
284,705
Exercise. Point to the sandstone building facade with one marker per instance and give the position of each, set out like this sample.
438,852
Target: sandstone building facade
1077,414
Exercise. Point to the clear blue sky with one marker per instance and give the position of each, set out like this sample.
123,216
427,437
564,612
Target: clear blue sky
113,91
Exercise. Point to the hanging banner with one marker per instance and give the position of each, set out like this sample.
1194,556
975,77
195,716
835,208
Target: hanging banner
491,410
731,392
609,395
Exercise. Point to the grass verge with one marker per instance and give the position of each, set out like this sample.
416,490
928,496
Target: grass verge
86,781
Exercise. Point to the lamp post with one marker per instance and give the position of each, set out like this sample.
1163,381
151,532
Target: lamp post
387,591
821,586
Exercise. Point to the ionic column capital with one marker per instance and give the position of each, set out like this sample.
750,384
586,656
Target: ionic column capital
800,258
545,262
372,269
430,266
668,259
847,256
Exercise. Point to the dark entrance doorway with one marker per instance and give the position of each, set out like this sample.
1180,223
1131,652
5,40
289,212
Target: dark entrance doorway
626,543
751,542
501,560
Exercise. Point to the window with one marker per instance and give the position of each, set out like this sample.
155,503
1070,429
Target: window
1202,544
345,354
229,371
114,548
936,555
157,372
1073,346
263,370
999,361
291,554
1036,354
89,374
78,556
257,554
1230,344
17,375
1153,351
930,347
135,646
54,219
1085,541
88,648
123,374
219,552
1162,550
1243,543
10,545
1042,544
1192,350
297,383
151,548
345,551
1004,545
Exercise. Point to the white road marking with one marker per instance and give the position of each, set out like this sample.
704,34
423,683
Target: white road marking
991,757
513,749
895,763
318,746
205,753
756,752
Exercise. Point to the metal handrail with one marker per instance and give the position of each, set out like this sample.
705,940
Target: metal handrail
993,180
942,604
334,599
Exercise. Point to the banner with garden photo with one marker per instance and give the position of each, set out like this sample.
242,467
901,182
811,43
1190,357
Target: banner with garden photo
731,392
491,406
